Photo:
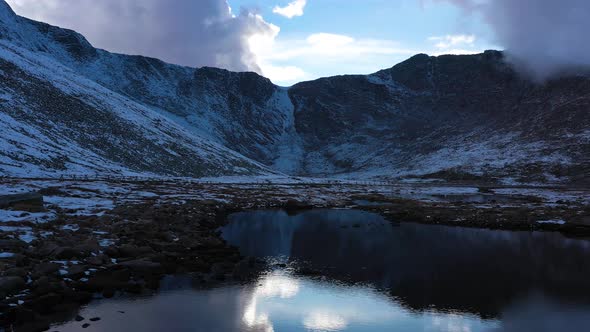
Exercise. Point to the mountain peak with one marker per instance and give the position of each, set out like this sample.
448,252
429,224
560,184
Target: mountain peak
6,12
7,20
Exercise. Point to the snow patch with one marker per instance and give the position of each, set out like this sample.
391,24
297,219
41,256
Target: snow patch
553,222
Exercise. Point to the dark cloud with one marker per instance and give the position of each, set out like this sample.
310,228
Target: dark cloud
542,37
186,32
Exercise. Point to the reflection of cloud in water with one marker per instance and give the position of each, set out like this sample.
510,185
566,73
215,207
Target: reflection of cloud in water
324,321
451,323
282,300
271,286
277,285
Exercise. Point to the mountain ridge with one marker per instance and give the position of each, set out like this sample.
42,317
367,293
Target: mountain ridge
471,115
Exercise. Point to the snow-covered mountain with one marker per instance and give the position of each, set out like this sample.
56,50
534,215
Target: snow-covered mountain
56,117
451,116
68,107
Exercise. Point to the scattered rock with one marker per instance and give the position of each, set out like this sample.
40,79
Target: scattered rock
158,240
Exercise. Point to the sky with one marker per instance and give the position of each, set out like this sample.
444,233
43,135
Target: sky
334,37
290,41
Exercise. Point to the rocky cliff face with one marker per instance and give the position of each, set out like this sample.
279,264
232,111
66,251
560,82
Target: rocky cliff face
470,115
450,116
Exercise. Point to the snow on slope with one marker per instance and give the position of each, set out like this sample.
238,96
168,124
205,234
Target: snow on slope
57,117
242,111
115,134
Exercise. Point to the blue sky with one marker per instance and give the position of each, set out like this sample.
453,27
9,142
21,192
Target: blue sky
334,37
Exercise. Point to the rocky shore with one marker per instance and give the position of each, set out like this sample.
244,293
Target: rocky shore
531,215
127,251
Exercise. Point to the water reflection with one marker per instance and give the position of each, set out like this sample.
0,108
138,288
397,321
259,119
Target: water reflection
424,267
374,277
279,301
282,302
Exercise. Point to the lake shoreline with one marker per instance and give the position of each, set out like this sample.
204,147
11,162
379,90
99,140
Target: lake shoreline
75,258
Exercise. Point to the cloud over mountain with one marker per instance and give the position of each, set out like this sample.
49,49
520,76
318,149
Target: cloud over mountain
542,37
186,32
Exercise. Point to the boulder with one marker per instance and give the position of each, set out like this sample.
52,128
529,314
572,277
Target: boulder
46,268
32,202
211,241
89,246
133,251
70,253
76,271
47,249
42,286
45,304
293,206
16,272
12,244
11,285
98,260
143,266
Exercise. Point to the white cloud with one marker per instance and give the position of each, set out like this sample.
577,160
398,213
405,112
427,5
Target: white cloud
448,41
329,39
457,51
261,45
332,46
294,8
282,60
283,75
454,44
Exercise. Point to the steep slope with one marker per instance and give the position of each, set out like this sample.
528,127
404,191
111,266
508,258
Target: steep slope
242,110
458,114
55,120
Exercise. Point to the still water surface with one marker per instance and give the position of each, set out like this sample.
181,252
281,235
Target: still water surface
362,273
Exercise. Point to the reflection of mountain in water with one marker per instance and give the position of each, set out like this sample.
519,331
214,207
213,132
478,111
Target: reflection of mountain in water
448,268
